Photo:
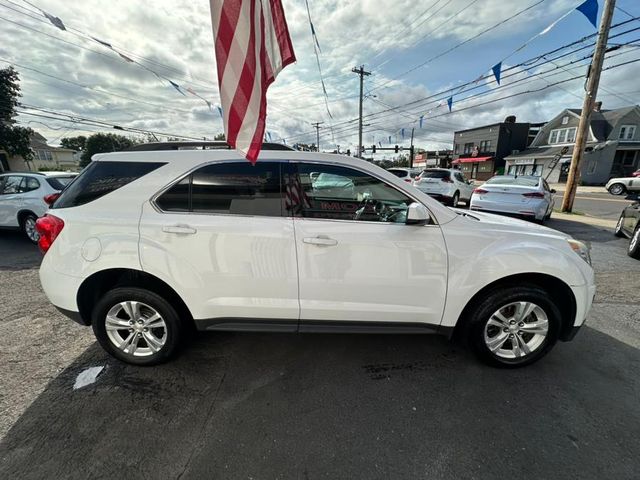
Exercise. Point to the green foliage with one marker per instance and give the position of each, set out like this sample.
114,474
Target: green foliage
74,143
103,143
13,139
219,137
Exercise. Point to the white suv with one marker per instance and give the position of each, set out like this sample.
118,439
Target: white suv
447,185
22,198
145,245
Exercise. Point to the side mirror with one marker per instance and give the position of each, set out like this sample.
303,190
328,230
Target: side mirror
553,190
470,182
417,214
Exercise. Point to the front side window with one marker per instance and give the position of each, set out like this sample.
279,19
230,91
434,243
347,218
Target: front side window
10,184
341,193
236,188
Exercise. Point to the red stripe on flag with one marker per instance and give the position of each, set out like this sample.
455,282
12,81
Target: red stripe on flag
224,37
282,33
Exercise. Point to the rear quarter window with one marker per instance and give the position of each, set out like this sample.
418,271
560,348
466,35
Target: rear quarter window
58,183
101,178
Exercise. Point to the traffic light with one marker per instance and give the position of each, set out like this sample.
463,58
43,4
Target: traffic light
373,148
396,149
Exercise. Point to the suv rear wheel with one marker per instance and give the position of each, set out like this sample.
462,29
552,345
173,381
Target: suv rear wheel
137,326
514,327
28,226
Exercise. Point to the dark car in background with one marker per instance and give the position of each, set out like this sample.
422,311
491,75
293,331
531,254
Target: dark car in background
629,226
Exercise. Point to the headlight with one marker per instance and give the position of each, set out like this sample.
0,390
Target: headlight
581,249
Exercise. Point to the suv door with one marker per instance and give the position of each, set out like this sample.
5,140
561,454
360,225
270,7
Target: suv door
10,199
358,261
219,237
463,186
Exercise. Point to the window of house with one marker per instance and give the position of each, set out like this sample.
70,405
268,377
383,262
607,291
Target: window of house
565,120
563,135
456,148
468,147
340,193
627,132
485,146
44,155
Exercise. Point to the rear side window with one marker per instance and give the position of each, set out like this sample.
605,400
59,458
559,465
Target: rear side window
101,178
228,188
399,173
30,184
435,174
58,183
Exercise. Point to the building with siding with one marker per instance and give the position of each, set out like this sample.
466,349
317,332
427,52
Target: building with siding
45,157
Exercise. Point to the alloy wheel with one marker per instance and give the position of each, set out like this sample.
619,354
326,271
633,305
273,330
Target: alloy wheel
633,244
516,330
136,329
616,189
30,229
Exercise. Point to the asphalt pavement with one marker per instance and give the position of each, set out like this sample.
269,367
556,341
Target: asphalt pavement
333,406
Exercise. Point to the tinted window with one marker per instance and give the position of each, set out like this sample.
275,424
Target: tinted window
58,183
459,177
176,199
30,184
10,184
523,181
435,174
101,178
237,188
399,173
340,193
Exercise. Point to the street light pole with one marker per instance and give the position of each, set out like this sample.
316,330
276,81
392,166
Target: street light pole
593,80
360,71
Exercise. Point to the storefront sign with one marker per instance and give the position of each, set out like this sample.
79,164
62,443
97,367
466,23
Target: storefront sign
523,161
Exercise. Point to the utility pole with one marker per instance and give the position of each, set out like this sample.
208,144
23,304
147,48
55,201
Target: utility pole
317,127
593,80
360,71
411,150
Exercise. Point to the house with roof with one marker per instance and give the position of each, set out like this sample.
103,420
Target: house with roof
45,157
613,147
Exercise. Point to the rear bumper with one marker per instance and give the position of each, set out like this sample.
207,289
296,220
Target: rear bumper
61,290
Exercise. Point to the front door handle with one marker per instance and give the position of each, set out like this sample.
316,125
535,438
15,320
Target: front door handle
320,240
179,229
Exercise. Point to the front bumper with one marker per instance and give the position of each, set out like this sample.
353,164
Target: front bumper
584,296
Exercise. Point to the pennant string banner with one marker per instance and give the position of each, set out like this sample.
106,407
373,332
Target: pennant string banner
317,51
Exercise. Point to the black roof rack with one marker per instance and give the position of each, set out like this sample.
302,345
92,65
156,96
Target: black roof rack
204,145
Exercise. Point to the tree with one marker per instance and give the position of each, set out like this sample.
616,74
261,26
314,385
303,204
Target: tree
103,143
219,137
74,143
13,138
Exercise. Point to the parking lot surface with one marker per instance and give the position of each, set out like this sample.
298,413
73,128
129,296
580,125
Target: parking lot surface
321,406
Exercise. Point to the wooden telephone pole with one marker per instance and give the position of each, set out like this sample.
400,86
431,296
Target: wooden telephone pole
360,71
317,127
593,80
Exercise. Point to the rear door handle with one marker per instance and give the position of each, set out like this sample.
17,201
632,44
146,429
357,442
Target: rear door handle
320,240
179,229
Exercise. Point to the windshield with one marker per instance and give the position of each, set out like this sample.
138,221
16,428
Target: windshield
507,180
435,174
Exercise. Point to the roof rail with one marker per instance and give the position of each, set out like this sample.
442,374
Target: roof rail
203,145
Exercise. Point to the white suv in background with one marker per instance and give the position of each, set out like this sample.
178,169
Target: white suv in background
22,198
447,185
145,245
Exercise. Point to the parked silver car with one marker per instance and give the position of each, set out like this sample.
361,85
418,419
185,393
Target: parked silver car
622,185
523,196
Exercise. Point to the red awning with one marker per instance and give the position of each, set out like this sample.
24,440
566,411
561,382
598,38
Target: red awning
472,159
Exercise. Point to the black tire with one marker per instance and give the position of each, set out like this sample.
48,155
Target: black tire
495,300
634,244
174,327
27,225
618,230
455,200
617,189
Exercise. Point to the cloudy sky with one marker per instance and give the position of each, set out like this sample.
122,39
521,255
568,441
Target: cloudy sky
417,52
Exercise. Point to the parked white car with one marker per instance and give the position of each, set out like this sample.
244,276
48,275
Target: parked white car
528,197
406,174
447,185
622,185
22,198
145,245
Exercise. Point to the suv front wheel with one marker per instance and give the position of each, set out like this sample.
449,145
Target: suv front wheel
137,326
514,327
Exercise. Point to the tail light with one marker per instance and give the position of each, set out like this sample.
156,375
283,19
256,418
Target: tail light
533,195
480,191
48,227
447,180
49,199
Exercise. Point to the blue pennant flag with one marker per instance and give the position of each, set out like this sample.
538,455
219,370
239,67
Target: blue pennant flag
590,10
389,139
220,111
54,20
402,133
315,37
268,136
497,70
380,143
421,117
450,102
177,87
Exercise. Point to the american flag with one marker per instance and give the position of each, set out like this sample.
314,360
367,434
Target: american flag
252,46
296,199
